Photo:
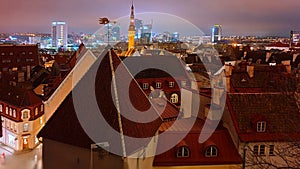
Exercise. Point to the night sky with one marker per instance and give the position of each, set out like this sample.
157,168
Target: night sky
237,17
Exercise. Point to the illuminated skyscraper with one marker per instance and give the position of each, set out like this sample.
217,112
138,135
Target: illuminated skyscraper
59,34
138,27
216,33
131,30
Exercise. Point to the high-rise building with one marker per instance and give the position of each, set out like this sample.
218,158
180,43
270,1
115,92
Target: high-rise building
147,32
216,33
59,34
175,37
116,33
131,30
138,28
295,38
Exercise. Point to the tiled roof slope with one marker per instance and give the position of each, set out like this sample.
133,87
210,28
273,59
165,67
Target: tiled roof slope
64,121
278,110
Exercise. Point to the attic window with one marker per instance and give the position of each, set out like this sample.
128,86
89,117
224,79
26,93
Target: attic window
25,115
211,151
261,126
171,84
183,151
174,98
145,86
158,85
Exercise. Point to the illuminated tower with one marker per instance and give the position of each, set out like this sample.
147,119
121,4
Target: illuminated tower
131,30
216,33
59,34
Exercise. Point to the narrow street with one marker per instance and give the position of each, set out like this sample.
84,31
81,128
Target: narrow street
25,160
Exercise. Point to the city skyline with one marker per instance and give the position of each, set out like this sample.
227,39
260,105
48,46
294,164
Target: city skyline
237,18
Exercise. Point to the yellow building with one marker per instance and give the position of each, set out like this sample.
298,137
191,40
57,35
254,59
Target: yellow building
131,33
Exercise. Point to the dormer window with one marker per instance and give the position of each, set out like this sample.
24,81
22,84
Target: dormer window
211,151
158,85
145,86
183,152
261,126
171,84
174,98
25,114
14,113
36,111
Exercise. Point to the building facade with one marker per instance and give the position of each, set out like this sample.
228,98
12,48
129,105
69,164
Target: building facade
216,33
22,117
59,34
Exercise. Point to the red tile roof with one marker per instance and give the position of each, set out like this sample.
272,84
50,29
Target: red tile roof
19,97
278,110
227,153
65,120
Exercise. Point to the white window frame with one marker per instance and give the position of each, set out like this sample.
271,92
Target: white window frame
261,126
145,86
174,98
25,127
209,152
36,111
158,85
171,84
183,152
14,113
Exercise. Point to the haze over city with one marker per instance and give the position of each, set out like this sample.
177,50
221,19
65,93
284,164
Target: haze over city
236,17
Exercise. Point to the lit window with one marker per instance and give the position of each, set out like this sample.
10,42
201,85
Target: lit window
6,110
41,120
36,111
2,53
14,113
271,150
10,111
174,98
145,86
211,151
25,114
158,85
1,108
171,84
259,149
261,126
183,152
25,127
